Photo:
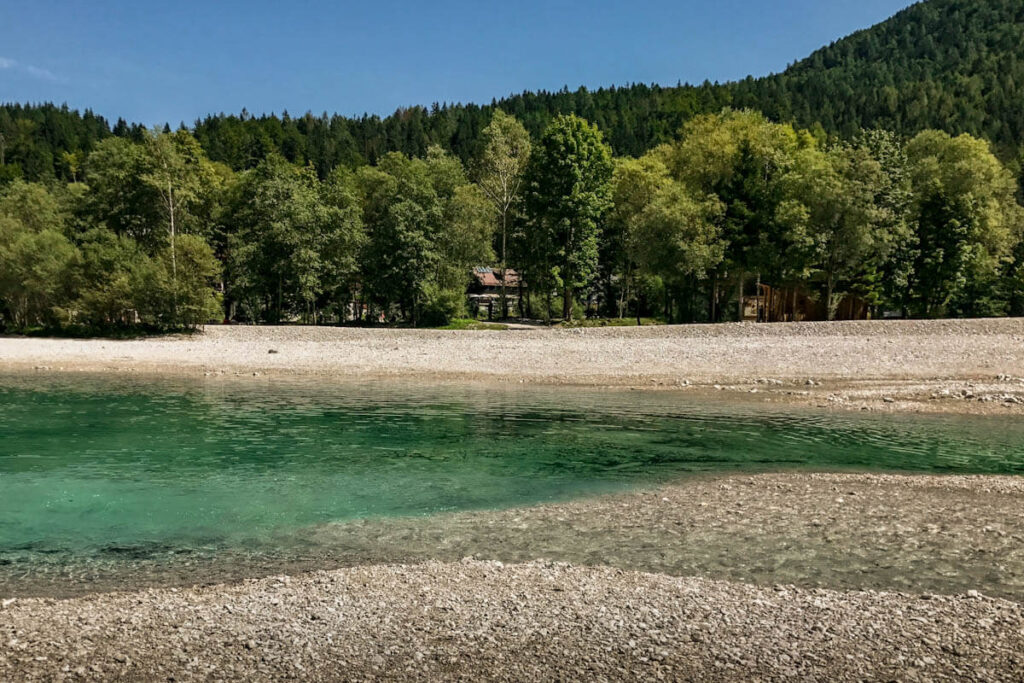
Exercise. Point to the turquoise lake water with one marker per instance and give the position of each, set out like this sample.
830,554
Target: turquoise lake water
91,467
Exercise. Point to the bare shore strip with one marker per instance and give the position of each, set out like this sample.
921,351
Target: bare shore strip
949,365
539,619
478,620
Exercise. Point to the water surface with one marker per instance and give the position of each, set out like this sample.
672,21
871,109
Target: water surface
100,470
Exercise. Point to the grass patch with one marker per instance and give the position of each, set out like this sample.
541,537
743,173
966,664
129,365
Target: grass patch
611,322
470,324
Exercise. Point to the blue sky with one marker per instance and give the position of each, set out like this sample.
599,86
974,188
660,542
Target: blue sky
180,59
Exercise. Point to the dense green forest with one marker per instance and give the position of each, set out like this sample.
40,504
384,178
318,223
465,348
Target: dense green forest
952,65
155,234
882,169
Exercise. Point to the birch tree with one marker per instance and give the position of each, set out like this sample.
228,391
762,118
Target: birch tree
499,174
178,172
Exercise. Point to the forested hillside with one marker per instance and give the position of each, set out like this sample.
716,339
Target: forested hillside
951,65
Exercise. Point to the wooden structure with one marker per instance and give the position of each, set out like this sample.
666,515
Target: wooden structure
794,304
485,291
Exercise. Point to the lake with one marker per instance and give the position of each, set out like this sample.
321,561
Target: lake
101,473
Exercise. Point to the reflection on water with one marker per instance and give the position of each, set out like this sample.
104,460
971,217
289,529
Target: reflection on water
96,470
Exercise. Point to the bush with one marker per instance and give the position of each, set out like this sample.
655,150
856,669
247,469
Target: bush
441,306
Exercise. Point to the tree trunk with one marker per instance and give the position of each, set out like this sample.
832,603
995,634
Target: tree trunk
504,299
714,300
174,255
622,295
567,276
280,300
739,296
830,314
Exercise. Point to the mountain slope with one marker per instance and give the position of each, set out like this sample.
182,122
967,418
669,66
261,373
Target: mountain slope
948,64
954,65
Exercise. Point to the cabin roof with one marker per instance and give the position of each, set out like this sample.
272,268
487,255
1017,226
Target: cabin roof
491,277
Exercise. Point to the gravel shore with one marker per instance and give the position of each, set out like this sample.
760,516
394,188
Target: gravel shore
936,534
790,554
487,621
783,542
948,365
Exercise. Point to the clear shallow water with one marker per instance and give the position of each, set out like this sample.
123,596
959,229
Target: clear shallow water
122,468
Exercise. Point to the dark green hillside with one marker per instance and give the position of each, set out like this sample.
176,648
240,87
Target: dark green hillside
953,65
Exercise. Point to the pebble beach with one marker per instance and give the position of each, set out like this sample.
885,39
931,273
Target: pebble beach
969,366
769,577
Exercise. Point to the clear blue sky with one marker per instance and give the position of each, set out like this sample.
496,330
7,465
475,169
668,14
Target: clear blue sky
177,60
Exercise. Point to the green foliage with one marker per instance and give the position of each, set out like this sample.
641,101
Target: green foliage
440,306
465,238
670,231
499,173
403,215
426,228
831,215
118,197
106,278
148,230
292,241
568,191
952,65
967,219
33,206
741,158
884,276
34,274
176,291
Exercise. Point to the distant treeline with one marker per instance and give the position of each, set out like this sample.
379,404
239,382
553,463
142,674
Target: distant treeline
147,230
951,65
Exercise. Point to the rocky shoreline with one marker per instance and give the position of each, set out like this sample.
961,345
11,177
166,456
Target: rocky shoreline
791,556
964,366
477,620
813,576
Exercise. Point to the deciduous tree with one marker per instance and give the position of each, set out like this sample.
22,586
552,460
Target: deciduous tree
568,191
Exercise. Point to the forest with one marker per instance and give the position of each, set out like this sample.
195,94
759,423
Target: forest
950,65
152,234
884,168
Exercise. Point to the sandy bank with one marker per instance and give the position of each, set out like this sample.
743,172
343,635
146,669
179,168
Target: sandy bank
959,366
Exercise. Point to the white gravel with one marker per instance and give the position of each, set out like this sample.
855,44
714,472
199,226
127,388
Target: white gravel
885,362
487,621
904,349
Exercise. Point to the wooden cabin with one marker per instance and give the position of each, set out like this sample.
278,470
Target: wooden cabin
485,291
